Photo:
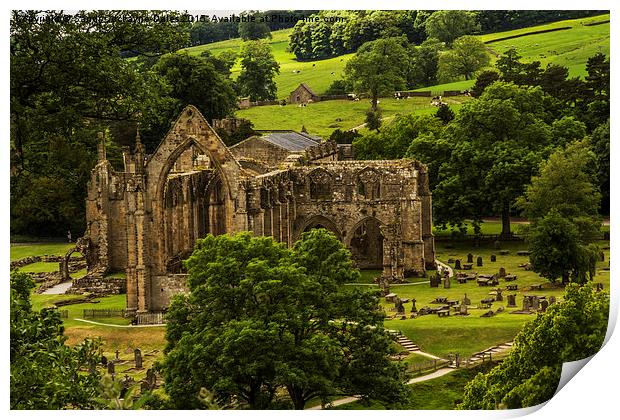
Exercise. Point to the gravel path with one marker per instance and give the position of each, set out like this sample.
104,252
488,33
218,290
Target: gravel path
59,289
430,376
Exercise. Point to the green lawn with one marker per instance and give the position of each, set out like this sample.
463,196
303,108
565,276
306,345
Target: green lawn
469,334
322,118
22,250
41,267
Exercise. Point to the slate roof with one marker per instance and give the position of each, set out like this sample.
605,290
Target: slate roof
305,86
292,140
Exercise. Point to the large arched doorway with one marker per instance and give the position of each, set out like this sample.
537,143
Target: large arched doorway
366,244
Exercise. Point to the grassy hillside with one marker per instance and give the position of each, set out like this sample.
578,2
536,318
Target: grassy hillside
317,74
569,48
323,118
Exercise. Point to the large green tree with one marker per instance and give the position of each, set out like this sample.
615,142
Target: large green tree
378,68
424,63
258,70
261,318
448,25
467,56
69,79
562,203
569,330
497,143
45,373
197,81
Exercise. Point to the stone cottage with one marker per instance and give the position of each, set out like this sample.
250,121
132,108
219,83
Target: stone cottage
146,218
302,95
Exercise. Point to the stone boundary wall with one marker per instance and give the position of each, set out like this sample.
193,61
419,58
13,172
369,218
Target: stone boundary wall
98,285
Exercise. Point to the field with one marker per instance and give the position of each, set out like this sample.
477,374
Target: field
322,118
570,48
317,74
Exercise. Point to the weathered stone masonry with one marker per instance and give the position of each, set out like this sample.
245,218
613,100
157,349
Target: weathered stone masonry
146,219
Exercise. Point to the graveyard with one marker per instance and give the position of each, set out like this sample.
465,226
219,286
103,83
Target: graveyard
459,315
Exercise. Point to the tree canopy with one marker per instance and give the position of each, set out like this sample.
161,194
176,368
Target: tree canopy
379,67
448,25
258,70
467,56
45,373
265,318
569,330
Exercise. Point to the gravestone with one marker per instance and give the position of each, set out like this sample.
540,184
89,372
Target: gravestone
457,264
466,300
111,367
512,300
151,379
463,309
500,309
413,308
535,303
543,305
498,295
435,280
493,257
502,272
116,356
400,308
446,282
479,261
527,304
137,355
104,360
470,258
601,256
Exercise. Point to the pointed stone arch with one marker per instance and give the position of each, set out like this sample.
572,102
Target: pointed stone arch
317,222
368,183
366,243
190,147
320,184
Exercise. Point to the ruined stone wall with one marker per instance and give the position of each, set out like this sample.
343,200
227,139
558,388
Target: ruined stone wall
261,150
164,287
146,219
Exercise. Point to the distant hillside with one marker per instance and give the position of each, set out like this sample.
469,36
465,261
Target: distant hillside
570,48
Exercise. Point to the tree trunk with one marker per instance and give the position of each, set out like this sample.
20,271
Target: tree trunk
297,397
373,103
565,279
505,221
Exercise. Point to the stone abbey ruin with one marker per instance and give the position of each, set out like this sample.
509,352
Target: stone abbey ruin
146,219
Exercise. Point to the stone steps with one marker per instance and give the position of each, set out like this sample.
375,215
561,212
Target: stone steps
406,343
